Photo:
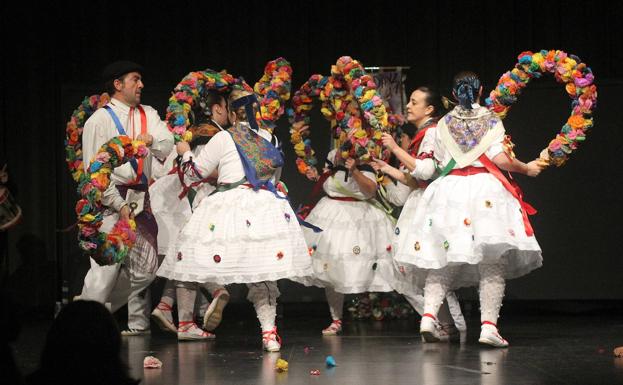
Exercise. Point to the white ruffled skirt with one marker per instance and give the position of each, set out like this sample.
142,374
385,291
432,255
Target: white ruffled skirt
353,248
239,236
464,221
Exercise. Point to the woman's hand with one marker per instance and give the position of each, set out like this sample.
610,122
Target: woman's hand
534,168
350,164
389,142
379,165
301,127
182,147
312,174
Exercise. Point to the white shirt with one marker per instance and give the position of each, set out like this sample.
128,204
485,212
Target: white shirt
100,128
335,186
425,168
220,154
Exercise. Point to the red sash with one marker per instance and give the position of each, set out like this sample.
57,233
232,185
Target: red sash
139,171
513,188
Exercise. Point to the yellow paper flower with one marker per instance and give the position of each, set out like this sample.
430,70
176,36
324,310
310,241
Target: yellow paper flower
282,365
295,137
360,134
187,136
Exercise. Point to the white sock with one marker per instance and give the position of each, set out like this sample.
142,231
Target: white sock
492,285
435,289
186,295
336,303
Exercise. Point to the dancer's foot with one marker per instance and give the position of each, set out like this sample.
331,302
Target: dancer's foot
430,328
189,331
334,329
214,314
135,332
489,335
449,333
271,340
163,317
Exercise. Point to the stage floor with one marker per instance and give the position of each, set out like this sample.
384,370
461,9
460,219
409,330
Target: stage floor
545,349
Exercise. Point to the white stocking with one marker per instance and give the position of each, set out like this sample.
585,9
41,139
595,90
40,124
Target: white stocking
186,295
168,293
264,297
492,286
436,287
336,303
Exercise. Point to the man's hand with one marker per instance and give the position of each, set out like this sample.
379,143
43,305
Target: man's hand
125,212
146,138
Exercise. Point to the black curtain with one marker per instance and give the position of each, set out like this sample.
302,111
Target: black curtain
52,55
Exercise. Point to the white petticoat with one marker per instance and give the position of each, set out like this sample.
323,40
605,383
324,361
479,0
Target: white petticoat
171,213
353,248
402,276
464,221
239,236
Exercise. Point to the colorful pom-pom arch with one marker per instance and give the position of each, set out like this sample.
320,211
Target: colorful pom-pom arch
73,132
273,88
113,247
331,92
346,95
366,142
187,94
104,248
568,70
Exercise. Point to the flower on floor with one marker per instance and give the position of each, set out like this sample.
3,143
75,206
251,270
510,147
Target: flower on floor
151,362
281,366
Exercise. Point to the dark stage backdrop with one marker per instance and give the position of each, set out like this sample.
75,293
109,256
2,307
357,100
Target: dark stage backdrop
52,56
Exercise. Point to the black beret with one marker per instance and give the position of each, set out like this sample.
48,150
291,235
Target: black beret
119,68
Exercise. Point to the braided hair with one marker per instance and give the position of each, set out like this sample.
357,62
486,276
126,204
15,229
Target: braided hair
466,87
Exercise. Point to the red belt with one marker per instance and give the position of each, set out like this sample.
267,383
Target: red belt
511,186
469,170
249,185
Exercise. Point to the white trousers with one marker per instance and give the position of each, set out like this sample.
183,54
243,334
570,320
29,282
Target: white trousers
118,285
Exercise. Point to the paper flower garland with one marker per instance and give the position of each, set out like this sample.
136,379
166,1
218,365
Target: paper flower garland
301,105
345,95
187,94
365,142
274,90
73,132
113,247
567,69
104,248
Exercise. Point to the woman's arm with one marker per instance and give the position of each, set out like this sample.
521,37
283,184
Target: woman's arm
402,155
366,185
507,163
381,165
